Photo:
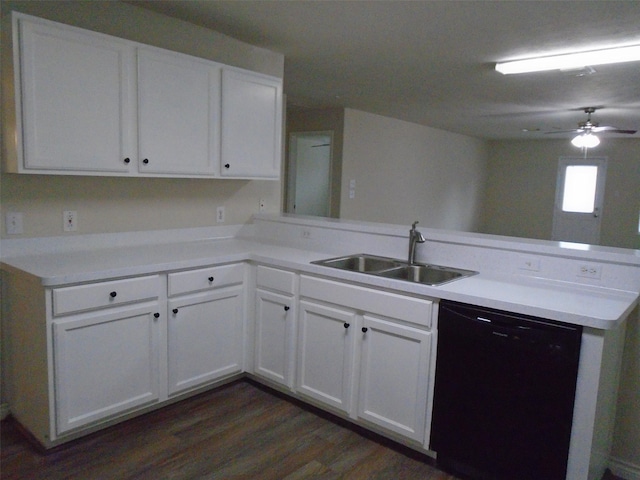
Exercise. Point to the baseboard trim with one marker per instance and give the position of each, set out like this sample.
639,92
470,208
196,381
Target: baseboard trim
4,410
624,469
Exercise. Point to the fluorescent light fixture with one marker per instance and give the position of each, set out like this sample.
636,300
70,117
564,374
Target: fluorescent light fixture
569,61
586,140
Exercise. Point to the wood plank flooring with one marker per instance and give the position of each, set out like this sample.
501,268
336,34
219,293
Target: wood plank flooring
239,431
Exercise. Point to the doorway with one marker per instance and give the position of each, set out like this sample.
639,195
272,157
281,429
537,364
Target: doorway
579,198
309,180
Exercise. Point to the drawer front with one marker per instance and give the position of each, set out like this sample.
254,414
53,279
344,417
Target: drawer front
205,279
275,279
401,307
92,296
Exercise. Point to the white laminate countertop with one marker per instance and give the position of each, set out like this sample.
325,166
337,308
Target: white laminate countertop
600,308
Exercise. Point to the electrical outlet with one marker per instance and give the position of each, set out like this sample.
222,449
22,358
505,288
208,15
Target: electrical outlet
13,222
590,270
220,215
306,234
70,221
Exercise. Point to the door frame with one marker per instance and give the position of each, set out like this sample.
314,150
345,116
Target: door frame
563,163
292,168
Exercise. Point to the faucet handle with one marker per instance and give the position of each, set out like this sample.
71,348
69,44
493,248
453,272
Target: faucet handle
413,227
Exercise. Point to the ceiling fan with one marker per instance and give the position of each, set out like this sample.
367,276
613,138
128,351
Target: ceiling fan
594,127
585,137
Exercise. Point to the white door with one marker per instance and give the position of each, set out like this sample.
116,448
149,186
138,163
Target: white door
178,113
105,364
274,337
326,341
394,377
78,97
579,199
309,185
251,143
204,338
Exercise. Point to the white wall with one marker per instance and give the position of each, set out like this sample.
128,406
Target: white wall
406,172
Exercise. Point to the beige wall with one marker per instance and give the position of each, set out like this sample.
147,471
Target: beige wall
406,172
124,204
521,185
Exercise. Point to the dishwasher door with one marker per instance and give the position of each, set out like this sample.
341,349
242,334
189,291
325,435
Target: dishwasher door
504,393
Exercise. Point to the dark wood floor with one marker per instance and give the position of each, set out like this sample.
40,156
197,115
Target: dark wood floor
240,431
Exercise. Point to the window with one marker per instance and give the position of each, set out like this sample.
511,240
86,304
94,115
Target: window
579,192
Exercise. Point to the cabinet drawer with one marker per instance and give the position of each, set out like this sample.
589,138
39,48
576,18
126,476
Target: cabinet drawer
104,294
205,279
275,279
392,305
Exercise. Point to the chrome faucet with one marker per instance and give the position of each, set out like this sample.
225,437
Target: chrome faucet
414,237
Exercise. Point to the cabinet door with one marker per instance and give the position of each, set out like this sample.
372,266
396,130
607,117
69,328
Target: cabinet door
204,338
394,376
274,337
178,113
105,364
251,125
326,341
78,94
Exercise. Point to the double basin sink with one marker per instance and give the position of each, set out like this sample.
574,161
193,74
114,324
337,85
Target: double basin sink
432,275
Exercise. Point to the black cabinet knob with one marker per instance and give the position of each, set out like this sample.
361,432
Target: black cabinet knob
156,315
286,308
347,325
211,279
175,310
145,161
113,294
226,165
127,160
364,329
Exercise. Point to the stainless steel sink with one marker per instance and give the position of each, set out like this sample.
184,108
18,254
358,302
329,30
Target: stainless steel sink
360,263
427,274
396,269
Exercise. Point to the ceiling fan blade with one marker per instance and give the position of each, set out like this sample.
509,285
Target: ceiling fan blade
564,131
608,128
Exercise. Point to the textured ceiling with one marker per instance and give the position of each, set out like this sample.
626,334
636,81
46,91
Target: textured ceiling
432,62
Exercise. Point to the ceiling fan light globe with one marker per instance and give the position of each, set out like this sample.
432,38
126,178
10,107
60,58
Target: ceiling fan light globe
585,140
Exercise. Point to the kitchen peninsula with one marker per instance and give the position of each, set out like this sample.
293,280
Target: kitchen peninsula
187,310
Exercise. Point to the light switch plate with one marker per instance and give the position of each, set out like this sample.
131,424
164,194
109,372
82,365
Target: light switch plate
13,222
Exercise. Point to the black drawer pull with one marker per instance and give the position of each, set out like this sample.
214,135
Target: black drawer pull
113,294
156,315
347,325
175,310
286,308
145,161
127,160
364,329
226,165
211,279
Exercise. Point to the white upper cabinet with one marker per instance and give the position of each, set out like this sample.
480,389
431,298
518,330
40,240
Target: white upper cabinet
78,99
251,125
91,104
178,111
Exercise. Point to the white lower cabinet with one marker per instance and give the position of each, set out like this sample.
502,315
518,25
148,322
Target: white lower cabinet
105,364
367,354
204,326
204,336
394,376
326,342
274,337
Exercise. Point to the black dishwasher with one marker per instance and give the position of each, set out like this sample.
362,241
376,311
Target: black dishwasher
504,392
